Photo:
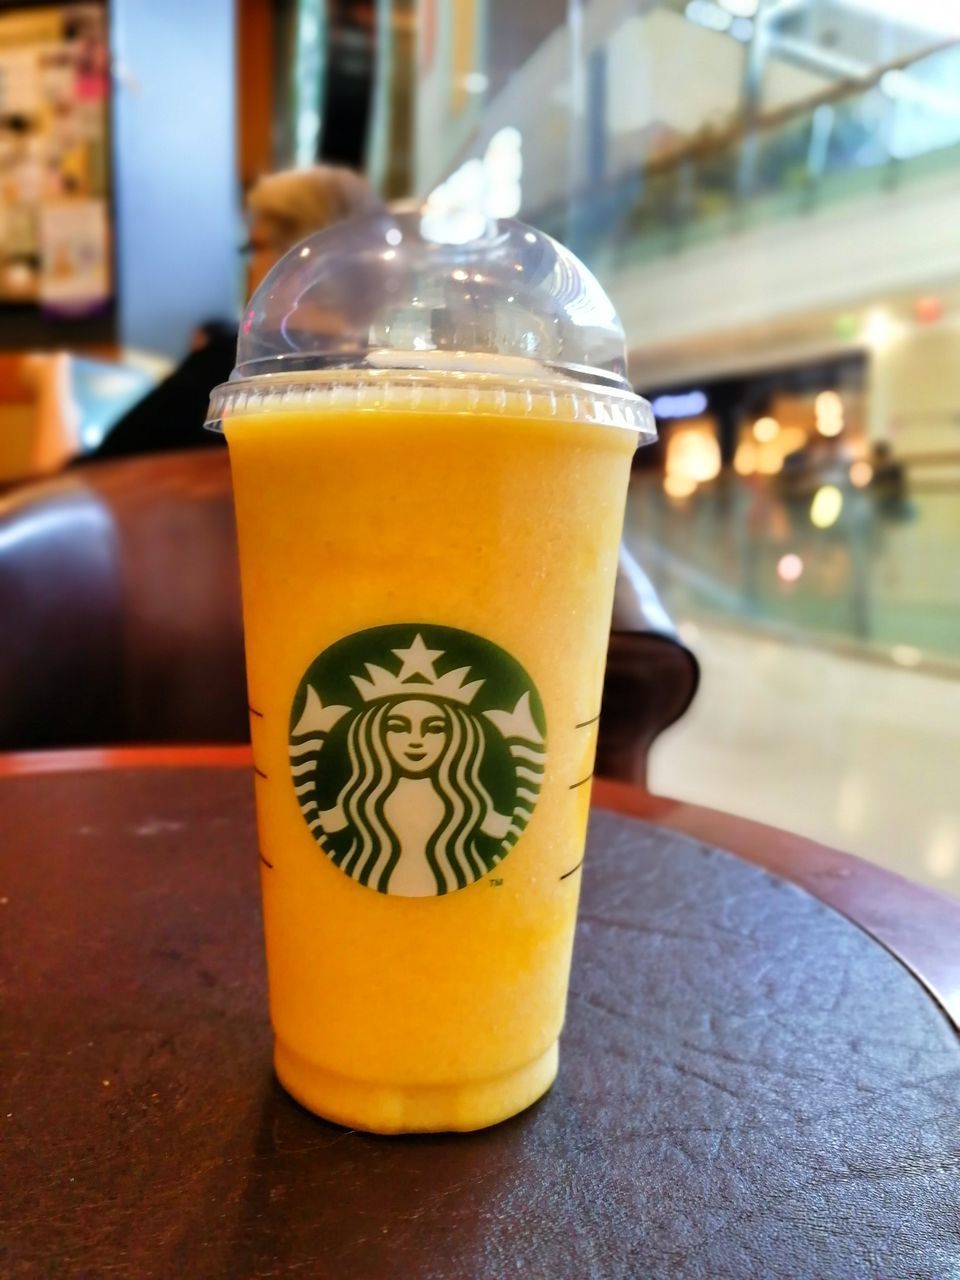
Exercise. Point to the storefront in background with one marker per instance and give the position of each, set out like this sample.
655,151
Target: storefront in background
781,422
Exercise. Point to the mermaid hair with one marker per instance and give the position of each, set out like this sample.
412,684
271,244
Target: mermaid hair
453,851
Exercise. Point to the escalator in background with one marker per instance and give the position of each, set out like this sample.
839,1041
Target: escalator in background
341,79
346,110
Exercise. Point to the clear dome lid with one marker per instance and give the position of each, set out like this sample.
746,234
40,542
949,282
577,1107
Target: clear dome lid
392,291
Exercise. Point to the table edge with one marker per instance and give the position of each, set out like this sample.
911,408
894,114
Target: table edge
917,925
148,756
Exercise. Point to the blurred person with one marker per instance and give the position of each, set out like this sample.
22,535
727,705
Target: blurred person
818,462
282,209
890,506
888,486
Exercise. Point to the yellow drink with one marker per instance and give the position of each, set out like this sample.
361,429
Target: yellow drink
407,1002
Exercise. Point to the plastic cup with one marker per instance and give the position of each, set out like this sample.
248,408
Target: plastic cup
430,446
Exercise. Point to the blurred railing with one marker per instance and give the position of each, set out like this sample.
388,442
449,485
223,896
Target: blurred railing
900,122
884,573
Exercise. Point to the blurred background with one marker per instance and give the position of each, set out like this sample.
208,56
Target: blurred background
770,191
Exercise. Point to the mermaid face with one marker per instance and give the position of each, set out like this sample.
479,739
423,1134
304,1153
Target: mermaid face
416,734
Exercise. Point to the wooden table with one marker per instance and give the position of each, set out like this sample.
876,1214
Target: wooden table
752,1085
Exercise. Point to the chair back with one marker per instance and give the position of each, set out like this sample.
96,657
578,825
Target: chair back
120,618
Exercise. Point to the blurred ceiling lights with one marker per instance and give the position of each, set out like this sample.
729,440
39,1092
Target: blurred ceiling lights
826,506
688,404
789,567
828,408
769,459
765,449
880,328
693,458
745,459
928,310
758,459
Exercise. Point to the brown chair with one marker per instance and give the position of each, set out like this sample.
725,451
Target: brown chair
120,618
651,677
120,606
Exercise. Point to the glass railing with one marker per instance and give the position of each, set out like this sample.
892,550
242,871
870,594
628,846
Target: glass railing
903,123
883,575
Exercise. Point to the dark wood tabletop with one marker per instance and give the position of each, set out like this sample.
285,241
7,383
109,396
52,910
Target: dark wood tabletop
754,1082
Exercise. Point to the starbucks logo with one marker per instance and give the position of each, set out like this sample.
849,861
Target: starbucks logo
417,754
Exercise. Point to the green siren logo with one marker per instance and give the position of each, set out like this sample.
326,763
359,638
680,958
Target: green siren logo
417,754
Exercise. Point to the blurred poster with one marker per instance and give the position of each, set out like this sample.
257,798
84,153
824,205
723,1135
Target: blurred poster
74,255
19,83
54,81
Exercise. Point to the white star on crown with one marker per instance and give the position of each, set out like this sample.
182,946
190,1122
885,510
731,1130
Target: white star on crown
417,675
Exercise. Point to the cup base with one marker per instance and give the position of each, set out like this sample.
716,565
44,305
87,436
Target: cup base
391,1109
